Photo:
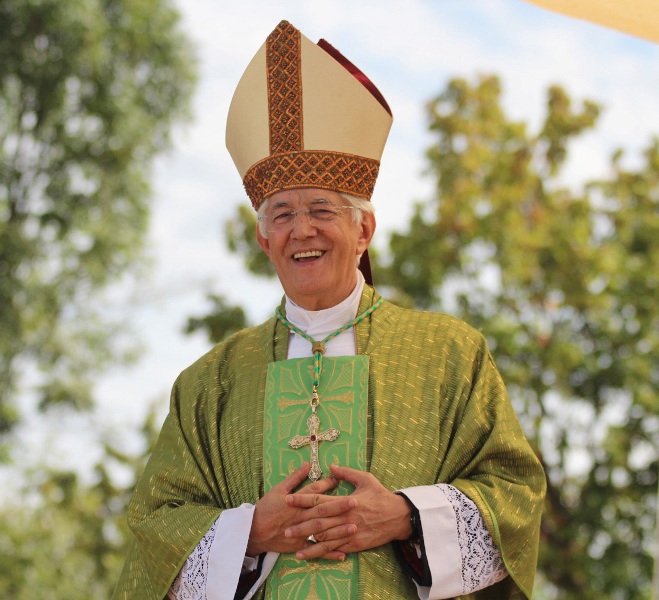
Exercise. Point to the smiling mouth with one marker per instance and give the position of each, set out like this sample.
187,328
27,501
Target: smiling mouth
311,254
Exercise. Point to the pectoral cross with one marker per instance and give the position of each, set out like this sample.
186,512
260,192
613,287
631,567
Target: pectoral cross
313,424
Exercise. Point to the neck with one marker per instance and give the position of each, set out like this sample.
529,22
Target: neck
330,297
321,322
315,309
333,327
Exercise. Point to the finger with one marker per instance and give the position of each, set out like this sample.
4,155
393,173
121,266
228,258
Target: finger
353,476
336,555
323,530
321,549
323,506
320,487
349,548
295,478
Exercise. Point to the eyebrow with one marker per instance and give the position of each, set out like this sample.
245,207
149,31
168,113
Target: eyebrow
287,204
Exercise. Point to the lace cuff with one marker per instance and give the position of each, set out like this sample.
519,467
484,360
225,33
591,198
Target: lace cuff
482,564
216,568
190,583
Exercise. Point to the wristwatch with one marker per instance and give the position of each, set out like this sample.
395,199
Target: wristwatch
412,549
415,522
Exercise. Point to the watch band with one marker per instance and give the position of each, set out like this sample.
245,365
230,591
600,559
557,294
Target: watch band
411,553
415,520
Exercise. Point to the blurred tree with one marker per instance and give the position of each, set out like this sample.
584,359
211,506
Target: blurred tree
241,238
62,538
221,322
564,285
224,319
89,90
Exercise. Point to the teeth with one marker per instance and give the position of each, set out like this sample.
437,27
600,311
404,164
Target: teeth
309,254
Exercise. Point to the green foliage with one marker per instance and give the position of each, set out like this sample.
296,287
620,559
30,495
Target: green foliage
241,238
221,322
564,286
64,538
224,319
89,90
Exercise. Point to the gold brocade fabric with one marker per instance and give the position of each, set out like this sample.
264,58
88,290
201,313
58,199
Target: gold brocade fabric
438,413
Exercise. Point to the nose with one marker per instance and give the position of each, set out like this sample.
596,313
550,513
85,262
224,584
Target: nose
303,226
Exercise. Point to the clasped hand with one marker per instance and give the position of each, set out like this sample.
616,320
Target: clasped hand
367,518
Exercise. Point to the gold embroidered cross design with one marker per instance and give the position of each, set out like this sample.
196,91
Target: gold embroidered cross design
313,424
334,580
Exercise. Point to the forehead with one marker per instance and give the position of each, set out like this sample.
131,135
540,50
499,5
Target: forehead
304,197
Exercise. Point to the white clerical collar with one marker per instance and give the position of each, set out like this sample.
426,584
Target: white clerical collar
319,323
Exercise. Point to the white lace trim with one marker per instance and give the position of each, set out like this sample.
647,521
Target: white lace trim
190,583
482,564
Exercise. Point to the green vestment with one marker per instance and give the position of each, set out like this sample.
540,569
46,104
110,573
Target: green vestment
437,413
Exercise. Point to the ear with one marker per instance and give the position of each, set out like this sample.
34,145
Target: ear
262,240
366,231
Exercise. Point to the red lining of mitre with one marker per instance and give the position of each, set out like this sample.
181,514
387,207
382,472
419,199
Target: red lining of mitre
359,75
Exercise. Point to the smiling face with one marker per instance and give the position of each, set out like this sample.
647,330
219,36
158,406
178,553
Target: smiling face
316,263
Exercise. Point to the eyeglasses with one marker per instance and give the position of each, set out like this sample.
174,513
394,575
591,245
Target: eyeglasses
283,218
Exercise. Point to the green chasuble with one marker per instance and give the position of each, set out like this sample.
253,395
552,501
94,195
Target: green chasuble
437,413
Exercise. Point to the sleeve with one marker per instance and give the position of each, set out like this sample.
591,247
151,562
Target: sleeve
214,568
191,582
459,553
490,461
481,562
180,495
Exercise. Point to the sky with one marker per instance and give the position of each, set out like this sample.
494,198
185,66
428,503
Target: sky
410,49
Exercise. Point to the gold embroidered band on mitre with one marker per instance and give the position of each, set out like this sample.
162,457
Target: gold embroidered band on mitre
335,171
284,67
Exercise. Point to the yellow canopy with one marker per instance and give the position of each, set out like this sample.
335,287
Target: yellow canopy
635,17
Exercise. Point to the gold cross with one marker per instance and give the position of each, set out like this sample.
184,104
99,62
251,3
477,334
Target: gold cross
313,423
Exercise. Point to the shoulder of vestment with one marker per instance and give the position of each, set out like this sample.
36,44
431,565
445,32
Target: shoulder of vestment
442,327
252,345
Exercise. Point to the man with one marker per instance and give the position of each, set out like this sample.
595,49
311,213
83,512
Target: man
420,481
